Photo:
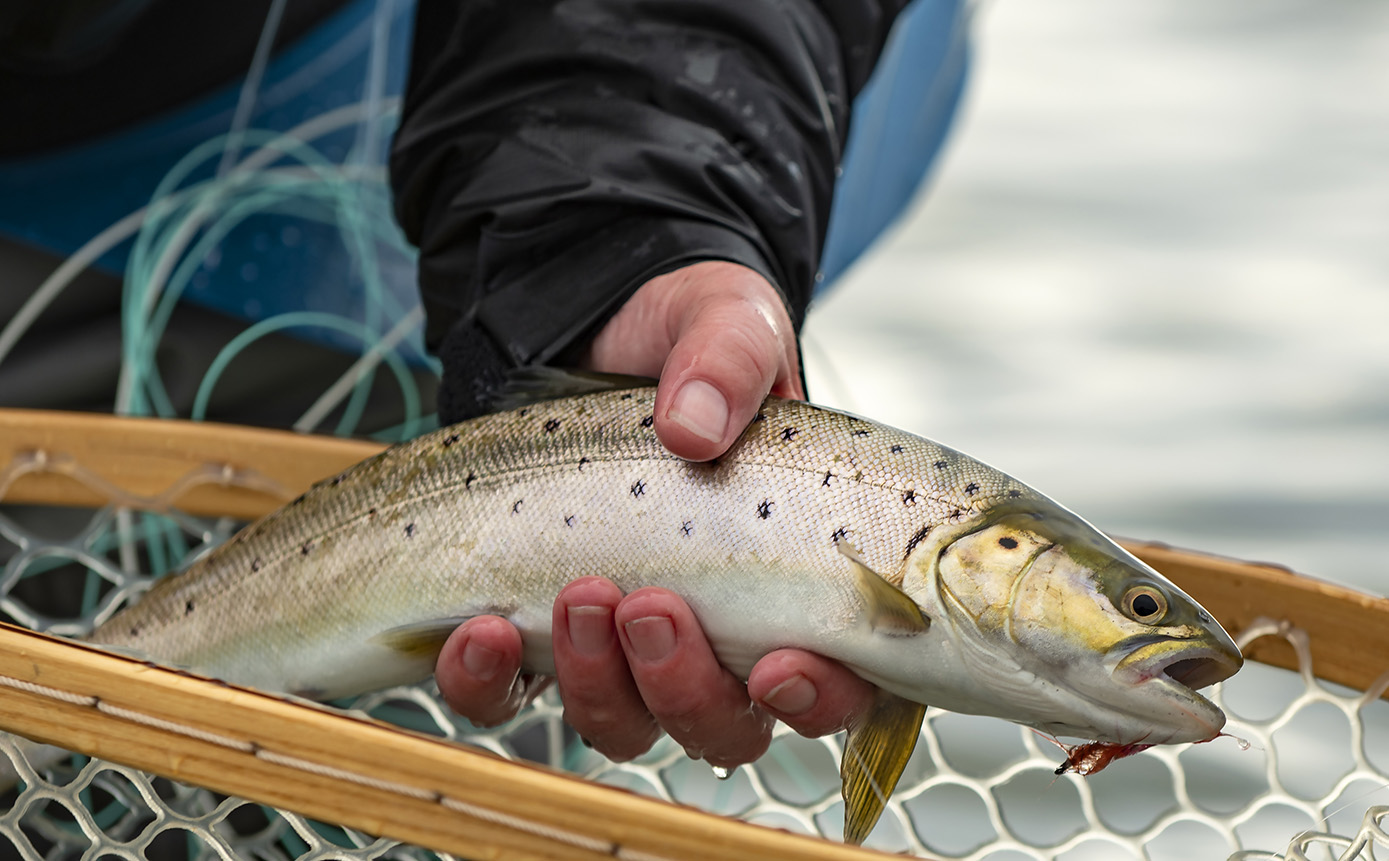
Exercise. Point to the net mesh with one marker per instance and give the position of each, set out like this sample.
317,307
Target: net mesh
1305,785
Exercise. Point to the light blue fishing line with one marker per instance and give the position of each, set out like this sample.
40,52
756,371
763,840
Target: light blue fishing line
287,195
170,214
360,213
352,328
358,209
246,101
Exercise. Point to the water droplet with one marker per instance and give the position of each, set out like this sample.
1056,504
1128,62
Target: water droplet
722,773
1242,742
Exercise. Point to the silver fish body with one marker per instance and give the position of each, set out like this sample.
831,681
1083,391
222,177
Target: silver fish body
938,578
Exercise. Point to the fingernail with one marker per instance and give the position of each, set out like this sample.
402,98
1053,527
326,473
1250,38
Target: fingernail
794,696
652,638
590,629
700,409
480,661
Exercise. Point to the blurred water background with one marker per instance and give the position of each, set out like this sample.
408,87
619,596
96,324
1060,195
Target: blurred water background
1150,277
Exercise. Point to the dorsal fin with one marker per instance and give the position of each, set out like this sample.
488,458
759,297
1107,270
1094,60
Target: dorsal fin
535,383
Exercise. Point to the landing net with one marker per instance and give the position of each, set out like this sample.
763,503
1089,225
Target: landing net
1311,783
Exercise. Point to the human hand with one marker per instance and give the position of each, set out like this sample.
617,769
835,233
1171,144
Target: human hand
631,667
718,337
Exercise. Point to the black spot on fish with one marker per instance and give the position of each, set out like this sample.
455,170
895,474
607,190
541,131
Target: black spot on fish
1008,543
909,498
468,482
638,488
825,482
450,439
971,488
298,499
187,607
569,520
255,564
760,417
764,509
525,411
861,432
516,506
648,421
337,479
955,515
409,530
371,512
627,396
917,539
789,433
1014,494
308,545
940,464
135,631
839,535
552,425
896,449
687,527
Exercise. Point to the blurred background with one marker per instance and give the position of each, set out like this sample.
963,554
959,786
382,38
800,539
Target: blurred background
1151,276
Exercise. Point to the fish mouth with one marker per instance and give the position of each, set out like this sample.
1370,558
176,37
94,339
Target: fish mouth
1184,663
1196,673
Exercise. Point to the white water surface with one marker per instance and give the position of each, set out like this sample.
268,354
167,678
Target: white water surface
1151,277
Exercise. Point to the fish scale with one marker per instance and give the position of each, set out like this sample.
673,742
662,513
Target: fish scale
816,530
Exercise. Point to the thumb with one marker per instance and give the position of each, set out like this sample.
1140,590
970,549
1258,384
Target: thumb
733,343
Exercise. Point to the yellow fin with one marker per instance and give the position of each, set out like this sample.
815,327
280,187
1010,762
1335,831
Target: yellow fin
419,639
875,753
890,610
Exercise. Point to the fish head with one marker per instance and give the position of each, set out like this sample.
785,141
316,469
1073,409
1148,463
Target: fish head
1078,636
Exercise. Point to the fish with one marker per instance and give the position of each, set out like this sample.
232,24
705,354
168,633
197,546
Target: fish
941,580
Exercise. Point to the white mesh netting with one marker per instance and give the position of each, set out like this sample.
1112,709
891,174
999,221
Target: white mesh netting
1306,786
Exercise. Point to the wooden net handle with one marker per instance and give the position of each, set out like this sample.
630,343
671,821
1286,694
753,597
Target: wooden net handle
356,772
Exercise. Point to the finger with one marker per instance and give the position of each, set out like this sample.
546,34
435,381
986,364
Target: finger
478,671
699,703
815,696
731,348
601,701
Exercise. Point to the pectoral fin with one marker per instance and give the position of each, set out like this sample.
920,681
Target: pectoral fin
875,753
419,639
889,609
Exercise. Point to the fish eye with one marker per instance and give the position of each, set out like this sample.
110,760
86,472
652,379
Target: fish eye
1144,604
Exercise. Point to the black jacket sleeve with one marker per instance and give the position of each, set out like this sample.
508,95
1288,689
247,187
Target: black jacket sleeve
554,155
